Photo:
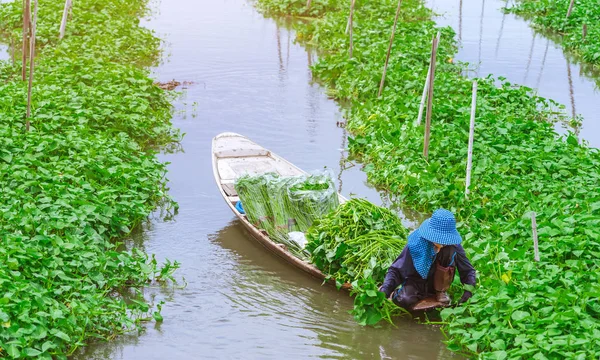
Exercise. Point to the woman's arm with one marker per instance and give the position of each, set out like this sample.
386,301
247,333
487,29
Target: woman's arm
394,277
466,271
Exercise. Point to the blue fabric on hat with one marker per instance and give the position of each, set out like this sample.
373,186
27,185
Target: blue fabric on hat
441,228
422,253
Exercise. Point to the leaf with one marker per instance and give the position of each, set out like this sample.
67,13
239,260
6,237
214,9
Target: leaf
31,352
519,315
47,346
499,355
373,317
7,157
572,140
62,335
13,351
157,316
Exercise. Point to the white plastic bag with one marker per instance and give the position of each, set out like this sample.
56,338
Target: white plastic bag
298,238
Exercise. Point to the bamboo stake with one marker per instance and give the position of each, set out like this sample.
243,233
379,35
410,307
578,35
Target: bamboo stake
424,95
63,23
387,57
12,50
535,237
31,62
430,100
471,137
347,26
584,31
351,19
26,25
570,8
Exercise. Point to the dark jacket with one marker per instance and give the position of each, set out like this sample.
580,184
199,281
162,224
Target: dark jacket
403,270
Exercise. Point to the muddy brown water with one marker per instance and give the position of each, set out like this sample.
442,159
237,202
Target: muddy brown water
248,76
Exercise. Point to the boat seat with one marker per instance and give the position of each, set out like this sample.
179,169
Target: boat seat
238,147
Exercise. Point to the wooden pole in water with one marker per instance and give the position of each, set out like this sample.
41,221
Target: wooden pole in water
63,23
351,19
535,237
430,99
471,137
424,95
31,62
26,15
387,57
570,8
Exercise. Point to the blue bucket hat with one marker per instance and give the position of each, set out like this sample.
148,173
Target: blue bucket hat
440,228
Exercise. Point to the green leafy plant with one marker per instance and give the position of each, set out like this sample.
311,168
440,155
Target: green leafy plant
85,175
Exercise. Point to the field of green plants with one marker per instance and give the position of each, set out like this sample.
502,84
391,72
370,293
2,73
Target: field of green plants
521,309
84,175
551,15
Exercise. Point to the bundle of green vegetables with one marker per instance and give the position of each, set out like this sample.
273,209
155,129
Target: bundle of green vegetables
281,205
253,192
311,197
356,244
355,235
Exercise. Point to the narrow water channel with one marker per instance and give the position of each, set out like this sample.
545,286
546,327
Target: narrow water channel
240,302
505,45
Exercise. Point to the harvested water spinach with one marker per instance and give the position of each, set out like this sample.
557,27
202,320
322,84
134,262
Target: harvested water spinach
255,197
281,205
356,244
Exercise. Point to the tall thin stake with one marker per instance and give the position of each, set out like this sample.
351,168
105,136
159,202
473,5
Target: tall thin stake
63,23
430,99
351,26
12,50
570,8
535,237
387,57
426,87
584,31
471,137
308,2
31,62
26,26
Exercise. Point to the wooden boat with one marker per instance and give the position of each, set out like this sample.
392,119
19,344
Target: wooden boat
234,155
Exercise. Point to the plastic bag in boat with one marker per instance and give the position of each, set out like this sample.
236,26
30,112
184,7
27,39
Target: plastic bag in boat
311,196
298,238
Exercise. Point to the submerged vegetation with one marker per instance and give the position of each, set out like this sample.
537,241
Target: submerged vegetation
84,175
579,30
521,308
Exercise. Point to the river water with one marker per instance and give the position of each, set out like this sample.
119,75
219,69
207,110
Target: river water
248,76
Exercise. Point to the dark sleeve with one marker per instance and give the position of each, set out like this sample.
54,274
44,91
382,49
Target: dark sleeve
393,278
465,269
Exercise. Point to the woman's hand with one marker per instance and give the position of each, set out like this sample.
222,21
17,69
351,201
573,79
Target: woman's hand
466,296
